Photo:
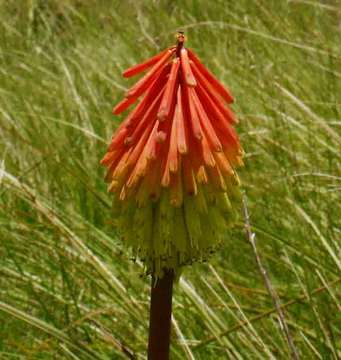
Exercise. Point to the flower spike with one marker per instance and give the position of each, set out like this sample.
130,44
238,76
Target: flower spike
171,163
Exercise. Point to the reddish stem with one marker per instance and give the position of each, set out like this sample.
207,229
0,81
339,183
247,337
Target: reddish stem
160,317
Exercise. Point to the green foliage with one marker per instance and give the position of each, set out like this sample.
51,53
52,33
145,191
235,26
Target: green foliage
67,288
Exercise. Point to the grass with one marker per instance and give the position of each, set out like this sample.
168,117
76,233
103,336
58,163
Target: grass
68,289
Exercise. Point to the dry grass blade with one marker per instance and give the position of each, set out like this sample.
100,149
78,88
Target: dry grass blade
272,292
321,122
266,314
259,34
323,240
183,342
47,328
250,331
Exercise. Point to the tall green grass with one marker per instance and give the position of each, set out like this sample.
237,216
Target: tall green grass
68,288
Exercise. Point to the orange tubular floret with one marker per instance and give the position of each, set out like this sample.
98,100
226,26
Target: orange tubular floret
165,126
123,193
201,175
163,155
227,135
231,136
161,137
225,131
142,85
123,105
147,152
232,156
173,145
121,166
154,148
190,112
136,69
186,68
135,155
206,153
216,178
112,167
176,192
188,176
128,193
144,104
181,133
223,163
221,90
168,96
153,181
196,158
165,180
213,95
206,124
209,105
110,157
118,138
118,173
146,119
140,144
148,148
149,187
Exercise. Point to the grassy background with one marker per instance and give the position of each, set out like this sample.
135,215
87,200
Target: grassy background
68,289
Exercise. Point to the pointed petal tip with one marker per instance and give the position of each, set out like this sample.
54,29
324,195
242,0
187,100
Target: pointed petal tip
161,137
128,140
182,149
123,105
161,116
198,136
165,180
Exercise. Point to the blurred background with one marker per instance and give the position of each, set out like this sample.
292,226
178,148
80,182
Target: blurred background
68,288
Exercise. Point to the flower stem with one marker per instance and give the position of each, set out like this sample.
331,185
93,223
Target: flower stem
160,317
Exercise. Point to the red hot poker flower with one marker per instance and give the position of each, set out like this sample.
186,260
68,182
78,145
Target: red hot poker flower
171,162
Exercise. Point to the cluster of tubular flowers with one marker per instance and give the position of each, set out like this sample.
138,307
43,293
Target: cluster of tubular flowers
171,163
